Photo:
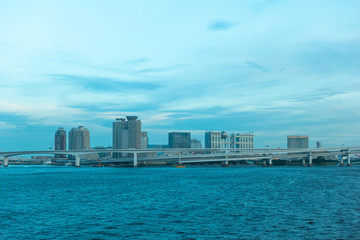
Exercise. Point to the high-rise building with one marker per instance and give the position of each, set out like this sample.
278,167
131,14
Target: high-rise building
179,140
60,142
195,143
126,134
220,139
79,138
297,141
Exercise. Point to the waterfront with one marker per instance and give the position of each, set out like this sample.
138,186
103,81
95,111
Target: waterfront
46,202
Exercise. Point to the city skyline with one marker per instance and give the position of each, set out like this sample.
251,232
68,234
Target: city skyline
273,68
127,134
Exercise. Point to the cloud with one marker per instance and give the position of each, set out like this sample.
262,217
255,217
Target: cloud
221,25
7,126
93,83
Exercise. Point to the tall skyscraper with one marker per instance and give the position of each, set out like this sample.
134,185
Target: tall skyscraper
60,142
126,134
179,140
297,141
79,138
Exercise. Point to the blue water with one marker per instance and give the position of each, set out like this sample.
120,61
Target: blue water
43,202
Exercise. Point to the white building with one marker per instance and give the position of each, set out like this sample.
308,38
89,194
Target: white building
220,139
242,140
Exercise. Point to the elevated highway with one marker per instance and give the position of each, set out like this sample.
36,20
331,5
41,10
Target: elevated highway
195,155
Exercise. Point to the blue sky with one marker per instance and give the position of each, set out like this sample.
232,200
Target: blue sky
274,68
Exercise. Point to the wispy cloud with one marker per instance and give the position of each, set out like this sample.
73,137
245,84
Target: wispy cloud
221,25
162,69
8,126
94,83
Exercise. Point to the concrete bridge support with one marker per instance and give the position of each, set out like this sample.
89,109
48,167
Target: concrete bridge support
6,162
341,161
264,163
180,162
303,162
310,160
270,162
226,164
135,159
77,161
348,158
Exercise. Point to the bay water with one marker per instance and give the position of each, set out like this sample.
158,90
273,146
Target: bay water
51,202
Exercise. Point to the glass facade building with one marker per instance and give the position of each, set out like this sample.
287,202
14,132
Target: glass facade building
179,140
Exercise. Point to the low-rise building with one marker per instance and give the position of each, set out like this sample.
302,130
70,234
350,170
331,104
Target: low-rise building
298,141
220,139
179,140
195,143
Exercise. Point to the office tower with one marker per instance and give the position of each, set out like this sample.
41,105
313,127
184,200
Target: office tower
79,138
318,144
179,140
297,141
126,134
60,142
195,143
220,139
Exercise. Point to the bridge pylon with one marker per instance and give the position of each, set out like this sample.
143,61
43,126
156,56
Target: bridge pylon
6,162
348,158
341,161
310,160
135,159
77,160
270,161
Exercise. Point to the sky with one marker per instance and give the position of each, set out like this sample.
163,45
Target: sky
271,67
